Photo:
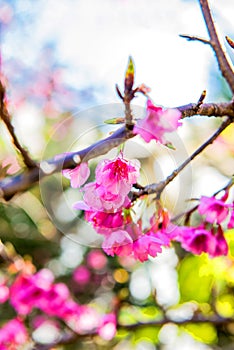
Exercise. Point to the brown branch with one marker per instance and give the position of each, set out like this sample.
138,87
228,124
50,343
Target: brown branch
224,62
157,188
198,319
189,212
4,115
22,182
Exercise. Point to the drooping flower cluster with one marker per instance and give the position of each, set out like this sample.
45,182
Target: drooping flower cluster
114,179
157,123
215,210
209,236
107,206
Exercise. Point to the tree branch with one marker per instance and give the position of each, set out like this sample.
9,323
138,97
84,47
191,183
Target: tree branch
224,62
198,319
195,38
22,182
4,115
188,213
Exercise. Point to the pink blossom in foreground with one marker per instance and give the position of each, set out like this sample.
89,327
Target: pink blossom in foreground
117,242
116,176
130,241
198,240
95,201
157,122
214,210
102,220
107,328
12,335
78,175
114,179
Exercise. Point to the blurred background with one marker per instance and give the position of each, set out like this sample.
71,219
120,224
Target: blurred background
60,62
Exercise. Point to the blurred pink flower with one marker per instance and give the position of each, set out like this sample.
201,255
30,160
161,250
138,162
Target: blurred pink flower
82,275
87,321
107,328
157,122
27,290
13,334
78,175
4,292
215,210
39,291
96,259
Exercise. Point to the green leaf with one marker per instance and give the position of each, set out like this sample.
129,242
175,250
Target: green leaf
115,121
195,279
204,332
147,333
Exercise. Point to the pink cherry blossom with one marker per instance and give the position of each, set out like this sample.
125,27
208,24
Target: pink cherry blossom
215,210
102,220
116,176
78,175
117,242
13,334
221,243
157,122
198,240
231,221
95,201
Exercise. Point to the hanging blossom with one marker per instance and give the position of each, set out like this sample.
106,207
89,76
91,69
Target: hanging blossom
114,180
157,122
132,241
77,176
215,210
199,240
231,221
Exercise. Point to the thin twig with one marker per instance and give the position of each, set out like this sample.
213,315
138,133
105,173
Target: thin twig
4,115
159,187
191,210
195,38
197,319
224,62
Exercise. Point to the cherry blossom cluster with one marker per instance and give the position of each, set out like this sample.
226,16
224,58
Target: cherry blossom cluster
208,237
38,291
108,206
